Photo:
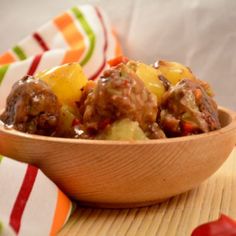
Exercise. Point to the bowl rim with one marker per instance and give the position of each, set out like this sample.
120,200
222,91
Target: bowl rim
228,128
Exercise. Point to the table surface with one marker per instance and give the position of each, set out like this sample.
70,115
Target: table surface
176,216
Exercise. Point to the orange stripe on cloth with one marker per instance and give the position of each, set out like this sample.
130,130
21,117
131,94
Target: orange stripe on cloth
6,58
118,49
62,211
70,33
71,56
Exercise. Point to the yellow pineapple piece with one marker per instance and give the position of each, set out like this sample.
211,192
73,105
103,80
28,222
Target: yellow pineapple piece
173,71
65,126
124,129
149,75
66,82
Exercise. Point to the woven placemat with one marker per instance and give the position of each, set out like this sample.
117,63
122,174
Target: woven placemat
177,216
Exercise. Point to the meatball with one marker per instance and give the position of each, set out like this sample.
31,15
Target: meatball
32,107
120,94
187,109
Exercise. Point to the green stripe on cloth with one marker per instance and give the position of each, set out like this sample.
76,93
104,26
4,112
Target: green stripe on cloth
3,70
88,30
1,157
73,208
19,52
1,227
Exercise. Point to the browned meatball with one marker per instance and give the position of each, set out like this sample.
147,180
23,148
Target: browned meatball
119,94
188,109
32,107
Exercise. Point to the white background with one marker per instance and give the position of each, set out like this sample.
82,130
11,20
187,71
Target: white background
198,33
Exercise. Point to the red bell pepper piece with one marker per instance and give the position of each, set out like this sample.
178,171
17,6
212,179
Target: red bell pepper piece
188,128
117,60
198,94
224,226
103,124
75,122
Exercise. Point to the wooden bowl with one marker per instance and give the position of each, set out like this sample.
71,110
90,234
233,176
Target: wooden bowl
124,173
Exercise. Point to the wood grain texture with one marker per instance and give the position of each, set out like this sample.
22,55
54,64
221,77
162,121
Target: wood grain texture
124,173
176,217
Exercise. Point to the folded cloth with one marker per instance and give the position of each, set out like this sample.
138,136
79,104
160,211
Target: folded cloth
30,204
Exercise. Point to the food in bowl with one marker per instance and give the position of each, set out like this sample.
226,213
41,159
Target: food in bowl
32,107
129,101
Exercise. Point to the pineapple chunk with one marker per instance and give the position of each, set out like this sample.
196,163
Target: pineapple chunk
149,76
66,82
65,126
173,71
124,130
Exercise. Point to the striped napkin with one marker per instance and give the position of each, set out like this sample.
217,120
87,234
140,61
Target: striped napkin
30,204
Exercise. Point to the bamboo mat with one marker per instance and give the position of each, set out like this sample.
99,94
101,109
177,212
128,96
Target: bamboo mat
177,216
